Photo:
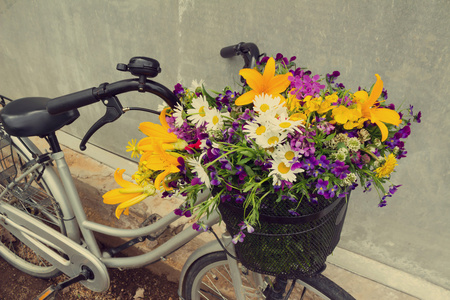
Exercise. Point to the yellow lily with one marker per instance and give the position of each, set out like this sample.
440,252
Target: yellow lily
161,160
266,83
159,134
372,112
350,117
130,194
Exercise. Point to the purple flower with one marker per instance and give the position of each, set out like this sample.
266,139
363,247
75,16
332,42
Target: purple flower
323,162
183,211
293,212
245,225
225,198
367,187
265,166
196,181
240,171
417,118
289,197
240,198
321,186
178,89
382,203
310,163
182,165
238,238
213,153
214,178
332,191
339,169
393,189
225,164
200,226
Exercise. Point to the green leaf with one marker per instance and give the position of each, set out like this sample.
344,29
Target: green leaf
247,153
249,171
242,162
328,138
211,100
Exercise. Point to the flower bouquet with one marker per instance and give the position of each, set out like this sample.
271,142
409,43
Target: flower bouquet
291,144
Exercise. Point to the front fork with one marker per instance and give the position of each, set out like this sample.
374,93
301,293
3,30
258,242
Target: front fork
236,269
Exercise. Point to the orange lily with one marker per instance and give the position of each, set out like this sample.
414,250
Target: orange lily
130,194
372,112
266,83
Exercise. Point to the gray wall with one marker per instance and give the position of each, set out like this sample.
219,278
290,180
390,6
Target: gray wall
52,47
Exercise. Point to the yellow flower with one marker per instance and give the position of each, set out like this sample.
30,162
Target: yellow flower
159,134
350,117
161,160
132,147
387,168
155,132
130,194
372,112
266,83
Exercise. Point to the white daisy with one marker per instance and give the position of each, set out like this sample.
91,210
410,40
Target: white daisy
197,114
283,122
266,104
271,138
161,106
282,171
264,131
254,130
198,168
214,119
178,115
285,153
196,84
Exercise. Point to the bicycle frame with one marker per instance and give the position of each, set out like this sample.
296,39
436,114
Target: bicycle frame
77,225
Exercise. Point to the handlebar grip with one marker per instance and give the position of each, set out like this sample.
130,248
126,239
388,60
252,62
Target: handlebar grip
230,51
71,101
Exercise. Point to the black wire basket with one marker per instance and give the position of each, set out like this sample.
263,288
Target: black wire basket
285,245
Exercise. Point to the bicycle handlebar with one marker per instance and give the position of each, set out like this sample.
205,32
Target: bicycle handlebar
107,90
248,51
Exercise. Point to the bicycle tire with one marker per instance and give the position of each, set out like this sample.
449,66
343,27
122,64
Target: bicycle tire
209,275
37,201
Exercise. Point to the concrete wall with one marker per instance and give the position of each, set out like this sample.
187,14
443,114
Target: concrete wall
52,47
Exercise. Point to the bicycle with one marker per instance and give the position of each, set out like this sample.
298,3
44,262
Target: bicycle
44,230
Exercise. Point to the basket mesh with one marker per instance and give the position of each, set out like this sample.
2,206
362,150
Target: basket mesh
8,169
288,246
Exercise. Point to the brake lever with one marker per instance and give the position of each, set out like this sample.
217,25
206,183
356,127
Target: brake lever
113,111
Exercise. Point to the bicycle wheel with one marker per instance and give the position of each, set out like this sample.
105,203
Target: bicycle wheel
209,277
31,195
